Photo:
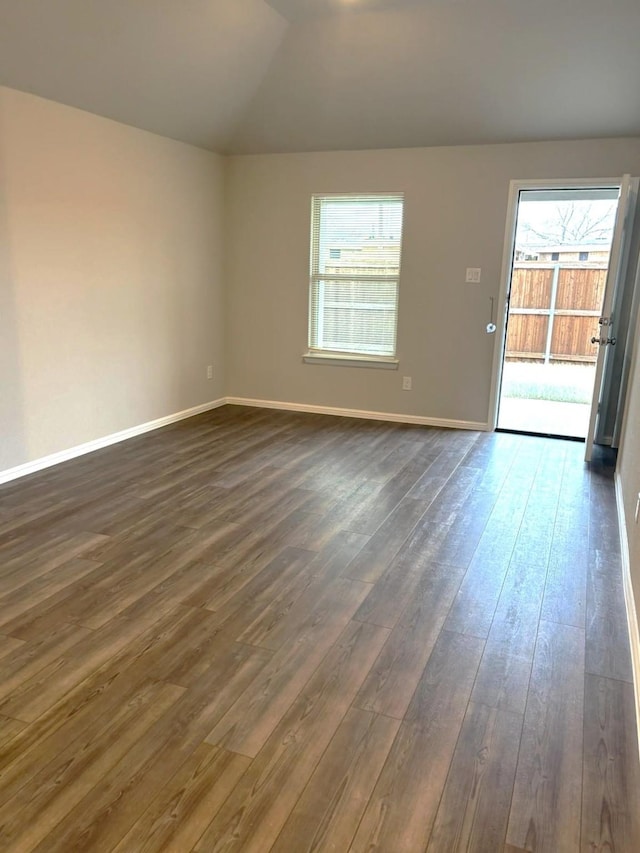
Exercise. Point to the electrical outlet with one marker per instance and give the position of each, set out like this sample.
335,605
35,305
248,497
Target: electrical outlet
406,383
473,275
209,371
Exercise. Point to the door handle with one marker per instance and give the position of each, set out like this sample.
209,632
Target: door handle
604,341
491,326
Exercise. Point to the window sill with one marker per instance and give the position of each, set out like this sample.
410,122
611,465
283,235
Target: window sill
343,360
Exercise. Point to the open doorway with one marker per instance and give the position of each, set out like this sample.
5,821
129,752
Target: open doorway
558,277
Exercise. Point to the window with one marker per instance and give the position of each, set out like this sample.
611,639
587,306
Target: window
355,270
555,256
583,256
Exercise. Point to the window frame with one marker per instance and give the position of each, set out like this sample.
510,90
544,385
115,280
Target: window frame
324,355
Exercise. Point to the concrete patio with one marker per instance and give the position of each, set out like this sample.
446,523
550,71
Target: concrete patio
552,399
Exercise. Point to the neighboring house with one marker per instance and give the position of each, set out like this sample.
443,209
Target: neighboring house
564,253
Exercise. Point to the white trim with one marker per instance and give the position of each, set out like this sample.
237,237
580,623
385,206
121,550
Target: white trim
340,360
501,313
358,413
505,275
35,465
97,444
632,615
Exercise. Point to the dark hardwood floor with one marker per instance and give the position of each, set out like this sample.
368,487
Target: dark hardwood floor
261,631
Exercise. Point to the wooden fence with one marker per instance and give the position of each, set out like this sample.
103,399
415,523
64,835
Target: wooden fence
554,311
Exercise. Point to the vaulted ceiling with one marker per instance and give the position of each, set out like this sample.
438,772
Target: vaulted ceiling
298,75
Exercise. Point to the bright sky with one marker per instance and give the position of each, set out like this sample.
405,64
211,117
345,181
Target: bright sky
540,222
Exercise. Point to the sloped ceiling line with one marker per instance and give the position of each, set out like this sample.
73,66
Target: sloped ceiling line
250,76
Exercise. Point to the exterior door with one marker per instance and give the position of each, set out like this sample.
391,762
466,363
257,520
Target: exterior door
606,338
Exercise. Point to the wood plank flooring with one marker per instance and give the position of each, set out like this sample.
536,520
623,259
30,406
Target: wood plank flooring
263,631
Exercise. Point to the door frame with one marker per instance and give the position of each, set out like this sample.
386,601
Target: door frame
499,347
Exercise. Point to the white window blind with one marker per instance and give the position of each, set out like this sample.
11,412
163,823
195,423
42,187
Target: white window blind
355,269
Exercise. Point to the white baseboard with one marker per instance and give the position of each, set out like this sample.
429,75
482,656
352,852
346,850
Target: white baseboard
358,413
632,616
89,446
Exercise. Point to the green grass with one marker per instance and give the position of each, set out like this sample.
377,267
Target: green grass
564,383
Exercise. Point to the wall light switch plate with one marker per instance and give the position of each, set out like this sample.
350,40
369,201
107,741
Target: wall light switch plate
473,275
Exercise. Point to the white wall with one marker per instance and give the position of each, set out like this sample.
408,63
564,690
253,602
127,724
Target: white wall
628,468
111,277
111,273
455,211
111,301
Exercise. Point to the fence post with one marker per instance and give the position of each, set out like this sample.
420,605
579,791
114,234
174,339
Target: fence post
552,312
